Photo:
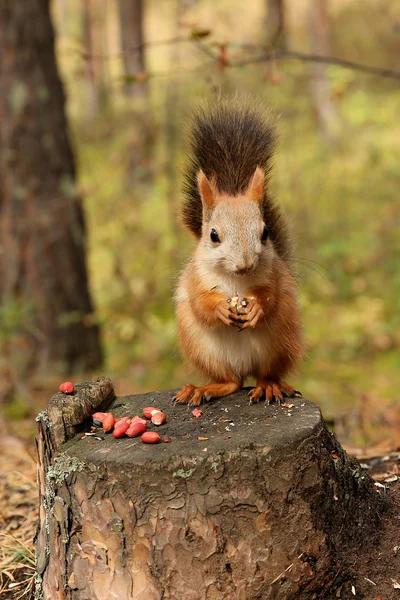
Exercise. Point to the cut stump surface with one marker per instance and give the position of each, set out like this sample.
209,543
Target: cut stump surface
263,508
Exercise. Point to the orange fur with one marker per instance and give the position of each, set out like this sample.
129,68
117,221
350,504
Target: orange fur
280,325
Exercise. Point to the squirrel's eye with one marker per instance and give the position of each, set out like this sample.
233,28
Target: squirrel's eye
214,236
265,234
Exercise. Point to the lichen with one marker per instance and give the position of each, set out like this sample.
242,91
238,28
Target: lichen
38,587
63,465
183,474
43,417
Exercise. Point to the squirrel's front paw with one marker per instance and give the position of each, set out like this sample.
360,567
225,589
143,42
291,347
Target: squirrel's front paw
251,313
225,314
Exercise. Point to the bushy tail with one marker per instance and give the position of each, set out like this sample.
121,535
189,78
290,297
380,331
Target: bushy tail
228,140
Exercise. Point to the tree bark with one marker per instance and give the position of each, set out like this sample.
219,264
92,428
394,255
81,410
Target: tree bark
92,90
131,16
245,503
44,296
320,87
275,24
172,117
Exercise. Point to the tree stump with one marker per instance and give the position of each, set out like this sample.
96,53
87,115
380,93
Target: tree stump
245,503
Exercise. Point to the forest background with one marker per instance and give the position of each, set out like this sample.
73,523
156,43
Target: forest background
131,70
90,178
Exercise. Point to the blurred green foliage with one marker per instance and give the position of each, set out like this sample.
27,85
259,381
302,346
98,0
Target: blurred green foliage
341,196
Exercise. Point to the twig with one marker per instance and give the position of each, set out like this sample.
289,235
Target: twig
267,56
332,60
285,571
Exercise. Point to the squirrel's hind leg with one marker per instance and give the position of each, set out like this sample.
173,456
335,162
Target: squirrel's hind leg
272,390
192,395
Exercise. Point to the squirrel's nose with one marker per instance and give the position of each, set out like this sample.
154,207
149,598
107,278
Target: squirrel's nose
244,266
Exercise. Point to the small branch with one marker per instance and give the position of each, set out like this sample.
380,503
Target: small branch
266,56
332,60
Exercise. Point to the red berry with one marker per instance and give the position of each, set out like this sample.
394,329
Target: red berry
66,388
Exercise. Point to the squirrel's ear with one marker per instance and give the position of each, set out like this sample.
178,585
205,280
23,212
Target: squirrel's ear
207,190
255,189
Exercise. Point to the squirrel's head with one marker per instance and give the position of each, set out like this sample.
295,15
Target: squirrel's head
235,238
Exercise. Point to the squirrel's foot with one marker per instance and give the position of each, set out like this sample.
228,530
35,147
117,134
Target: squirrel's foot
273,391
194,396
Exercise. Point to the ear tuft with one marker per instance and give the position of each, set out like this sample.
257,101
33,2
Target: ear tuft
207,190
255,189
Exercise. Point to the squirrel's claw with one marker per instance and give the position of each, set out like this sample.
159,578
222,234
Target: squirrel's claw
225,315
184,395
191,395
273,392
251,314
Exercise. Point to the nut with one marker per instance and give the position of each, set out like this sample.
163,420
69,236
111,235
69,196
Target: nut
99,416
136,429
120,420
158,418
121,430
150,437
149,411
109,422
139,420
66,388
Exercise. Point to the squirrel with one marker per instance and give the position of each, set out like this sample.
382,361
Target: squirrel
236,305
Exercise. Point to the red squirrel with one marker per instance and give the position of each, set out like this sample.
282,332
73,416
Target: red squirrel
243,249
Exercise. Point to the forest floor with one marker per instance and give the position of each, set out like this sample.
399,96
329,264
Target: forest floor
376,569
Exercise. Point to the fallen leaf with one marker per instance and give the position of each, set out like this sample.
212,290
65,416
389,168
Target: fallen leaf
353,590
196,412
201,438
199,33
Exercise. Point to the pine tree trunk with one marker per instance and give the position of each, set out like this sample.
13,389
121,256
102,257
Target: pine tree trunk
92,91
172,120
132,43
275,24
245,503
320,87
46,309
